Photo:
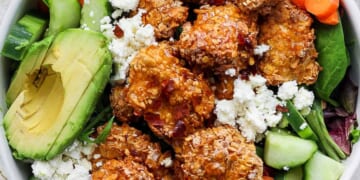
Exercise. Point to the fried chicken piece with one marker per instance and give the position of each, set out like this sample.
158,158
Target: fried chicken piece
173,100
121,109
218,153
122,170
220,36
164,15
127,142
292,54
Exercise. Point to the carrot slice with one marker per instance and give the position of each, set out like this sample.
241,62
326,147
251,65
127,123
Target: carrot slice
333,19
267,178
321,8
299,3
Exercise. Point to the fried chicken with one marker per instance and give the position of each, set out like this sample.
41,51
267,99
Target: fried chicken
218,153
287,30
126,169
164,15
124,143
220,36
121,109
173,101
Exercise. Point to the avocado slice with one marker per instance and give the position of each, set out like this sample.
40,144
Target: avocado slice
32,60
59,96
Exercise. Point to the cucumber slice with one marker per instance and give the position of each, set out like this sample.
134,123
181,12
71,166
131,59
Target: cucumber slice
92,12
64,14
286,151
323,167
26,31
298,122
293,174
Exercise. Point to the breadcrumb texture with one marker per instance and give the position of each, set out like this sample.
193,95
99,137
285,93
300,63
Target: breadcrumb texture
218,153
164,15
292,55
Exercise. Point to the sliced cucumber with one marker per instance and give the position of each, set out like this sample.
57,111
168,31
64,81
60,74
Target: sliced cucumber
64,14
298,123
293,174
322,167
92,12
26,31
286,151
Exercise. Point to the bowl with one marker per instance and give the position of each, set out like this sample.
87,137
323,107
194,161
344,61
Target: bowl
17,170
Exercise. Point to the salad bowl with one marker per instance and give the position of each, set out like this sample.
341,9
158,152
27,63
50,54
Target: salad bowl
17,170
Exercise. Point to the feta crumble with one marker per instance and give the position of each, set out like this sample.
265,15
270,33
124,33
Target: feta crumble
136,36
125,5
167,162
252,109
287,90
303,98
230,72
73,163
261,49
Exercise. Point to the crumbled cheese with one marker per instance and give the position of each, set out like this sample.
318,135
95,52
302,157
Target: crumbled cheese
98,164
287,90
96,156
285,168
261,49
73,163
252,109
136,36
230,72
125,5
303,126
167,162
303,98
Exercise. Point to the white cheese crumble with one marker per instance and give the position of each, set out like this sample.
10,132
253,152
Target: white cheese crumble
303,126
167,162
136,36
303,98
230,72
73,163
252,109
125,5
261,49
287,90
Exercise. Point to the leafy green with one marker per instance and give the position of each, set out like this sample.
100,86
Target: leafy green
332,57
355,135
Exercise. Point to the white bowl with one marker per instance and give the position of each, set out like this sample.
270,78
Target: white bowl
15,170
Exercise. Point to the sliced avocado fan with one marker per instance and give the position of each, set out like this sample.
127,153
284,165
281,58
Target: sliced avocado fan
58,96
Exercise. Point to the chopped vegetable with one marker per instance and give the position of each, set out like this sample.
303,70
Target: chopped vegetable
321,8
333,19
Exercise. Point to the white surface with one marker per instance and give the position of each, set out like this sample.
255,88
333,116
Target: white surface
12,171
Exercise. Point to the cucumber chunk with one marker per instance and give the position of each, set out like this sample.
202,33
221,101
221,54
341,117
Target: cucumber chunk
92,12
298,122
26,31
293,174
323,167
64,14
286,151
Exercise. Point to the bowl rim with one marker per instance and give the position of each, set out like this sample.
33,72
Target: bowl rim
13,169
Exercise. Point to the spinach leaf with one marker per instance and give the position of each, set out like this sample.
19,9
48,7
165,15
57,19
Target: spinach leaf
333,58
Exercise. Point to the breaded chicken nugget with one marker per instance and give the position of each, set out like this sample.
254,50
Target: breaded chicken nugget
173,101
121,109
164,15
292,55
218,153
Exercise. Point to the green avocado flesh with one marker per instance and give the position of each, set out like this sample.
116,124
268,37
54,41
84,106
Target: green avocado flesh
59,95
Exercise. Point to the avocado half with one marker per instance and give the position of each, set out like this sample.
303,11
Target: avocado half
58,96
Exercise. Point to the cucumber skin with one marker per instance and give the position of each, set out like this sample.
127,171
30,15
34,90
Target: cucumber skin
26,31
296,173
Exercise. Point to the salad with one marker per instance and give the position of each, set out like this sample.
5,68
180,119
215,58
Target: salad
170,89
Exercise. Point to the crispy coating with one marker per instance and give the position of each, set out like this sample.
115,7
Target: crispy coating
173,100
292,51
121,109
164,15
126,169
218,153
220,36
125,142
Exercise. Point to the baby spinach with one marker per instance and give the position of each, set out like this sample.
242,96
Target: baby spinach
332,57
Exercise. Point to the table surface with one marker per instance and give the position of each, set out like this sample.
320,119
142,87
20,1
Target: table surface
5,3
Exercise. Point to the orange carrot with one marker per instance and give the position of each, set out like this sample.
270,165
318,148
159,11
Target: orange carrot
333,19
267,178
299,3
321,8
